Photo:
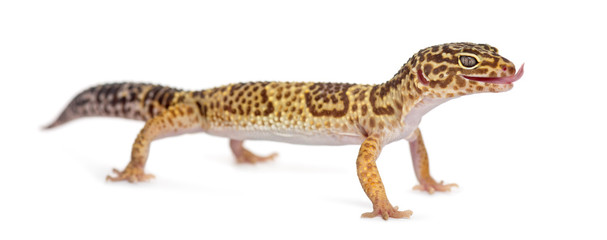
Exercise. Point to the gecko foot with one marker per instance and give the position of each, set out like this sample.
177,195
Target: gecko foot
387,211
251,158
130,174
432,186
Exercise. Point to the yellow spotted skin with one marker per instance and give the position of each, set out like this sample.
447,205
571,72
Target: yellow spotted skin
307,113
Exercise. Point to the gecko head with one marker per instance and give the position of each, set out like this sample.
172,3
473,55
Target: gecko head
457,69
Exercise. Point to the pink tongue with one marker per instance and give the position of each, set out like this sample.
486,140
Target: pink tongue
501,80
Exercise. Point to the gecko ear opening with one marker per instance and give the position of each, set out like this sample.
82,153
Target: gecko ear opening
422,79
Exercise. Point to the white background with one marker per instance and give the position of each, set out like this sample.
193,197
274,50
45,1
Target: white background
531,162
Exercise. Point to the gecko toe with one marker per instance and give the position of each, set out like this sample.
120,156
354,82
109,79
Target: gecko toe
131,175
432,186
386,211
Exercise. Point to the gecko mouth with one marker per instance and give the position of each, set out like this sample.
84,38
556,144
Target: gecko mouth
499,80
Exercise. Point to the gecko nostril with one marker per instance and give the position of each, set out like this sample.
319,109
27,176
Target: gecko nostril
505,69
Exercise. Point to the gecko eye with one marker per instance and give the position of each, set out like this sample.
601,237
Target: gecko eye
468,61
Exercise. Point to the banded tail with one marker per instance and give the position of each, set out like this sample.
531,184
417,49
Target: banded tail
124,100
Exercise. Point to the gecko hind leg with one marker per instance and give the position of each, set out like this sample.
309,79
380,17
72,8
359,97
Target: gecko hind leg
245,156
176,120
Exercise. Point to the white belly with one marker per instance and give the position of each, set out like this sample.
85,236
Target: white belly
290,136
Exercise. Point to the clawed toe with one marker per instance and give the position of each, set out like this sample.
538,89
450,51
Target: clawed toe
432,187
131,175
388,212
249,157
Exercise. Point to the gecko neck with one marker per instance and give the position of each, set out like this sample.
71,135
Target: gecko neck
400,91
412,103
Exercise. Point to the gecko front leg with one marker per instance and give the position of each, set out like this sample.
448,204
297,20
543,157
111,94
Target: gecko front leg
243,155
419,155
176,120
372,184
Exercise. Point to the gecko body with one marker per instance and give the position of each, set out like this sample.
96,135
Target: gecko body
308,113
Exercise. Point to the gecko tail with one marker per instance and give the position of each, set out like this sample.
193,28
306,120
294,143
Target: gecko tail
54,124
136,101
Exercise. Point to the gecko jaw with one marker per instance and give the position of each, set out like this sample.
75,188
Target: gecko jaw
498,80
